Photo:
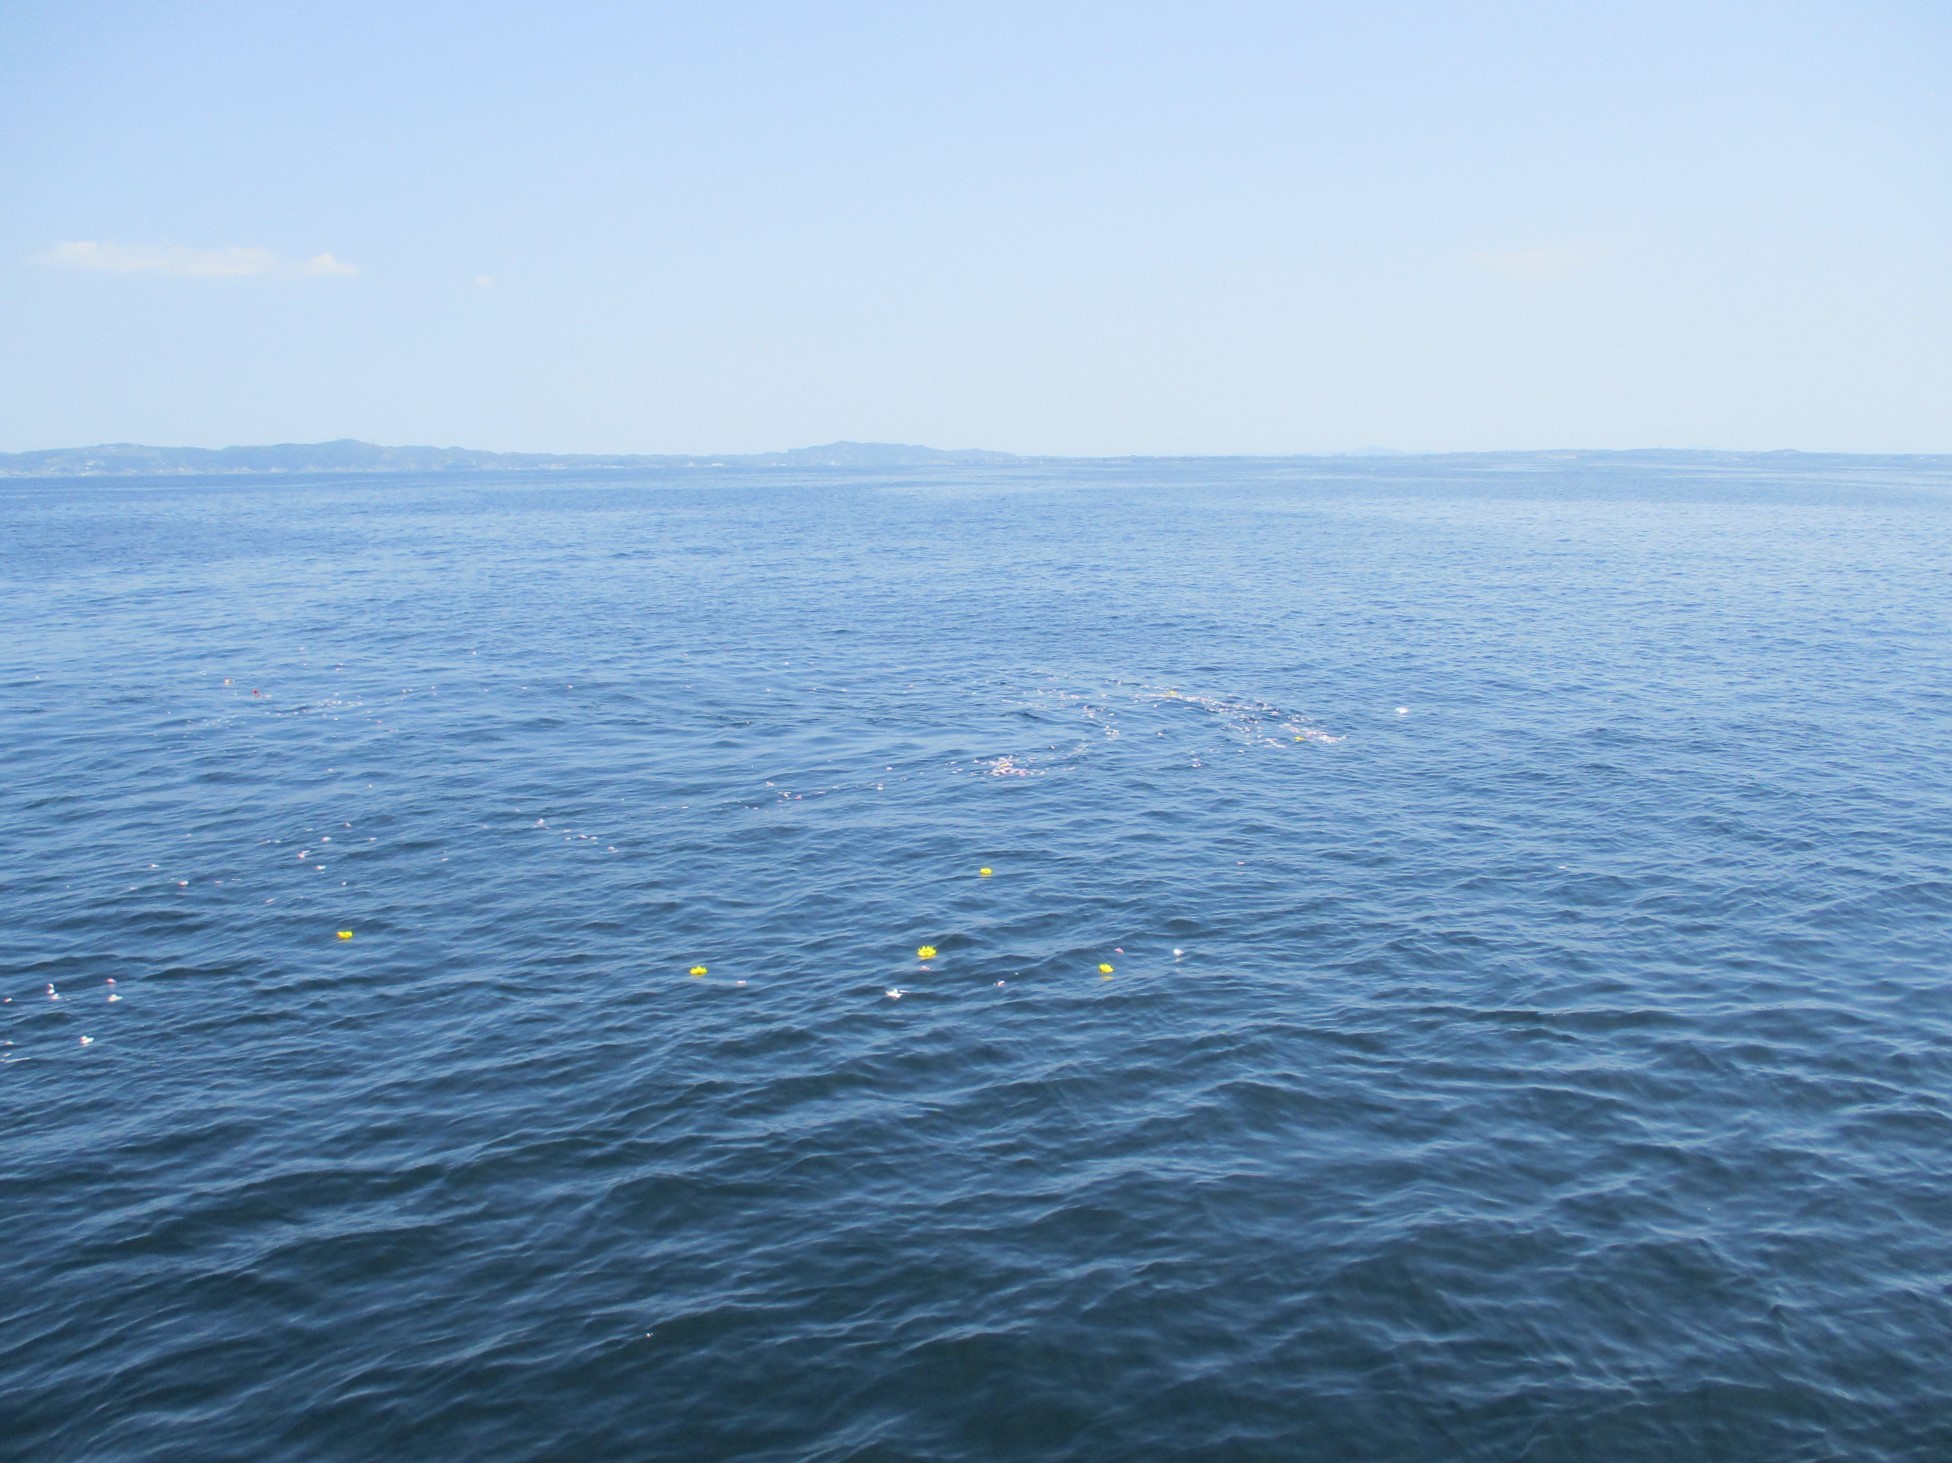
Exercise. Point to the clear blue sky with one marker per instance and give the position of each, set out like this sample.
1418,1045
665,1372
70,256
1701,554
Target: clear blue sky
1073,228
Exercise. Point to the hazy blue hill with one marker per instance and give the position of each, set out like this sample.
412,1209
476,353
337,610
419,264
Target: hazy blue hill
347,455
341,456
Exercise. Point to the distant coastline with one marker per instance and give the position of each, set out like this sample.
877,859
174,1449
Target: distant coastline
125,459
128,459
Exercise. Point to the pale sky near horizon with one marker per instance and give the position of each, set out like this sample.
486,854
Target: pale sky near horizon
1067,228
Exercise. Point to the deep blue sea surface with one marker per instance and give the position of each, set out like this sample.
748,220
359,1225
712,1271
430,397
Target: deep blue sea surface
1526,887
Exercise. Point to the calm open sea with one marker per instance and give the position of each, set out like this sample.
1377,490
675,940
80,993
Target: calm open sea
1526,890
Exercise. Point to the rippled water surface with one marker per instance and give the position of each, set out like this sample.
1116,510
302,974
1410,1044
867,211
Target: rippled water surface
1526,892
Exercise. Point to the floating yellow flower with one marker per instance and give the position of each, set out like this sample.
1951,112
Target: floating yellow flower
697,970
983,873
927,952
1104,970
345,934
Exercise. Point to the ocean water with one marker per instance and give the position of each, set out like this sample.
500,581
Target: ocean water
1526,888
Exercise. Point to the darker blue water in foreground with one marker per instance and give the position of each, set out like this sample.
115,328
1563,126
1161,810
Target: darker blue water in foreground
1528,892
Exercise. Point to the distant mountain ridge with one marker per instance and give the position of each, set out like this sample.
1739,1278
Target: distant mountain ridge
128,459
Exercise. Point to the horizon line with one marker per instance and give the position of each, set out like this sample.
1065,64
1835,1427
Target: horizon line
851,446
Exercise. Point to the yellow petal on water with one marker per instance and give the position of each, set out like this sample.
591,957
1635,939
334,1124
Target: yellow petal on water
983,873
927,952
345,934
1104,970
697,970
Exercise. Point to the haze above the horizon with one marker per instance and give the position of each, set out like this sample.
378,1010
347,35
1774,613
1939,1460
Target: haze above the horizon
1071,229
